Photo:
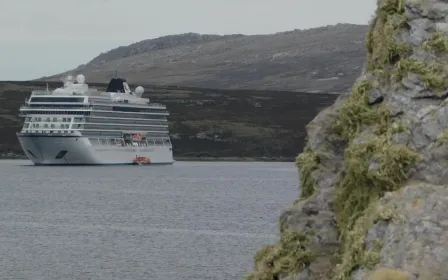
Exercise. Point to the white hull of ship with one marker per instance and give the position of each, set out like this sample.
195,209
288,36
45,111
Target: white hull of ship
43,150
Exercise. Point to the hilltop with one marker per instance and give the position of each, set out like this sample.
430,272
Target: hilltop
326,59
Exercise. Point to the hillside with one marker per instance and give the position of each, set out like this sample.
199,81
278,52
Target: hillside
204,122
326,59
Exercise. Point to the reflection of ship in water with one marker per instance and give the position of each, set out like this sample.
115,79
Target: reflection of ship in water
78,125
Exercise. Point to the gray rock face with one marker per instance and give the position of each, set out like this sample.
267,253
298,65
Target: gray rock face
415,240
381,194
315,215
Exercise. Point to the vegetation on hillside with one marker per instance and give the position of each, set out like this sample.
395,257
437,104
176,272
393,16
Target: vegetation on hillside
205,122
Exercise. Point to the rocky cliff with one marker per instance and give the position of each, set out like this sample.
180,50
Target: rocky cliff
326,59
374,193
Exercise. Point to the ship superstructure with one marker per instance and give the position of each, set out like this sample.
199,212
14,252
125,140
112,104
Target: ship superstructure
78,125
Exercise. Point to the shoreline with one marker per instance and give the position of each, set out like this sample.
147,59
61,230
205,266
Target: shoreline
201,159
236,159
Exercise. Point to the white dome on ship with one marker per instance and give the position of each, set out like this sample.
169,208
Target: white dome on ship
80,79
139,90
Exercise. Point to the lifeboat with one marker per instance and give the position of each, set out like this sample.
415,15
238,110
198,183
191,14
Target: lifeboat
141,160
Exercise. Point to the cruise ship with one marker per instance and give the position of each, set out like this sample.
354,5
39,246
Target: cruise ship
78,125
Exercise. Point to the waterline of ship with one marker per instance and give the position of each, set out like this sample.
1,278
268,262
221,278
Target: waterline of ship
76,125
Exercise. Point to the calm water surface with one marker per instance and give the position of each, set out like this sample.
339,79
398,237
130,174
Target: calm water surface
187,221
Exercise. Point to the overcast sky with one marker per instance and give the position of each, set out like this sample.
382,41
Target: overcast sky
44,37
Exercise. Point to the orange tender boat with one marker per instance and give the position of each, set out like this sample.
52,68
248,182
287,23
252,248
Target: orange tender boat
141,160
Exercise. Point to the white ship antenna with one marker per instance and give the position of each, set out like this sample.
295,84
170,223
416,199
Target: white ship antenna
47,87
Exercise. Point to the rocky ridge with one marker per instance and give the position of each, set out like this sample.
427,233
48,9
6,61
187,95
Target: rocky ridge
374,176
325,59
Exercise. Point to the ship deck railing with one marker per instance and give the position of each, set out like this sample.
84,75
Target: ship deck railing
92,102
48,92
114,103
40,92
45,106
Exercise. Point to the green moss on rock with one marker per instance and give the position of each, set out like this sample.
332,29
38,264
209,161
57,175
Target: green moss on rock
353,251
356,112
370,37
374,165
390,213
443,137
370,169
382,46
372,257
307,162
289,255
390,7
436,43
433,74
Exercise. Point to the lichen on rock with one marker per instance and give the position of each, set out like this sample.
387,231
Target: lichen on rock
415,241
389,274
374,173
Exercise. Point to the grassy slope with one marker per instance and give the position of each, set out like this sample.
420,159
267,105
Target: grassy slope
234,123
326,59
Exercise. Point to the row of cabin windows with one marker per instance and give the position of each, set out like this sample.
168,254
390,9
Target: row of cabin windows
130,122
48,119
46,125
99,114
53,131
59,113
57,99
81,126
105,108
125,127
131,116
62,106
122,142
118,134
133,109
102,133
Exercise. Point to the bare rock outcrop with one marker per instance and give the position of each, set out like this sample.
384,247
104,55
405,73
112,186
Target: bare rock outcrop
374,175
412,235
